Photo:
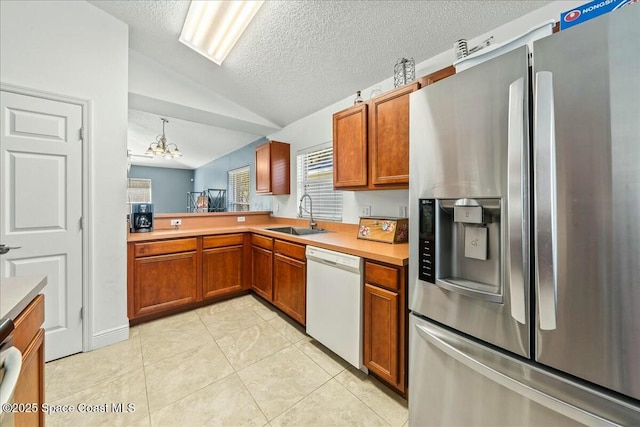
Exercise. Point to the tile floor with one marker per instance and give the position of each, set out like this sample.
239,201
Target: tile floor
236,363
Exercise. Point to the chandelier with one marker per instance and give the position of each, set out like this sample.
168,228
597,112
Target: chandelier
162,147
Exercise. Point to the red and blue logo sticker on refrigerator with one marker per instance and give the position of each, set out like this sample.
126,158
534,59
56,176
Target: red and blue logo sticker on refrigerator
589,11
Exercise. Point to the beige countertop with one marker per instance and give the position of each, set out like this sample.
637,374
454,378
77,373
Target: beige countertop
17,292
341,241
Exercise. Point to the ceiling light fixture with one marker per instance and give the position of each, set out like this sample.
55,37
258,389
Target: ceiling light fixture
162,147
212,28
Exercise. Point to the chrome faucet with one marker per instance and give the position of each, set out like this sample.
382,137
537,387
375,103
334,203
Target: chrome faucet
312,224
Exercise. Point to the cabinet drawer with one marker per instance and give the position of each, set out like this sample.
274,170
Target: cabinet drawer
165,247
381,275
289,249
28,323
222,240
261,241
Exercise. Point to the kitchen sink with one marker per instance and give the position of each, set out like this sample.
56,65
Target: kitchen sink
297,231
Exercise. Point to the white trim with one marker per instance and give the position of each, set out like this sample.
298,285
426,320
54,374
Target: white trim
110,336
87,183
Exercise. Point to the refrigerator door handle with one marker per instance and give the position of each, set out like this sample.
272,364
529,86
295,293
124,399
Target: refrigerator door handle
546,244
515,199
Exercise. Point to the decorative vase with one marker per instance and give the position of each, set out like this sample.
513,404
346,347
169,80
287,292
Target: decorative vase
404,72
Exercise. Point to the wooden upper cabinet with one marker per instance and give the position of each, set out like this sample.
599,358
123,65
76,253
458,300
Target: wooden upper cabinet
371,140
389,137
350,147
430,79
263,169
272,168
371,143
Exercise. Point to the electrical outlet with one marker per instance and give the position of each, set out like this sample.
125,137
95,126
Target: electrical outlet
241,219
276,207
365,210
402,211
176,222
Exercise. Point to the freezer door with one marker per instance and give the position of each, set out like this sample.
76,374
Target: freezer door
458,382
469,144
587,200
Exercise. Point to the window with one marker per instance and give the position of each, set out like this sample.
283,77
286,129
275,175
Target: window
315,177
138,191
239,187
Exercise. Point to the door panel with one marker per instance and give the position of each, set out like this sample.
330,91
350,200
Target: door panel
261,272
460,148
36,203
37,125
41,208
597,199
350,147
54,267
263,168
458,382
165,281
381,332
221,271
389,137
289,286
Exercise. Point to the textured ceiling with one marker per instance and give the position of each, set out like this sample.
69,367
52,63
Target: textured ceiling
297,57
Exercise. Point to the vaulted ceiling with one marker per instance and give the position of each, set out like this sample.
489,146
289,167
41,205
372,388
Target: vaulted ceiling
297,57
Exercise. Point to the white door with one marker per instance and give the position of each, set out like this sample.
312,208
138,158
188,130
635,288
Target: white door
41,208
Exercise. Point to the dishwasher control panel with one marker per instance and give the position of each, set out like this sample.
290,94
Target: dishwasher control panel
328,257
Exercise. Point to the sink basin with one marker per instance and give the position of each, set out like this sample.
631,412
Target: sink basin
296,231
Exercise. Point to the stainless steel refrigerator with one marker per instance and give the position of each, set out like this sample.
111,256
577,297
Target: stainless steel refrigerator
524,275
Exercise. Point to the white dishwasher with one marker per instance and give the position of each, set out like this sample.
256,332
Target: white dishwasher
334,302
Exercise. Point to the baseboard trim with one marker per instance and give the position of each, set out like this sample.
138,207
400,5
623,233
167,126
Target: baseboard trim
110,336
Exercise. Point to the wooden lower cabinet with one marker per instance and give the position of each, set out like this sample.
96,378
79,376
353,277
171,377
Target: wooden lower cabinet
168,276
290,280
381,331
28,337
221,271
164,276
261,272
385,323
165,281
222,265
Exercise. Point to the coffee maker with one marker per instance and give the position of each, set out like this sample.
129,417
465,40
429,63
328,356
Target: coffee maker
141,218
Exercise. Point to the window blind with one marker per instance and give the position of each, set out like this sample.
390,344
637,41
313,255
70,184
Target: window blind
239,188
138,190
315,177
